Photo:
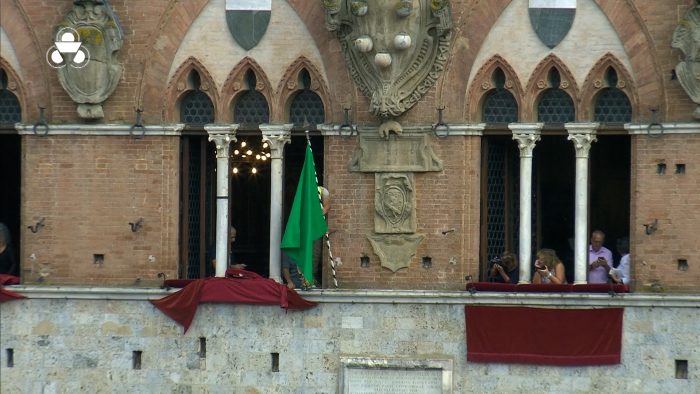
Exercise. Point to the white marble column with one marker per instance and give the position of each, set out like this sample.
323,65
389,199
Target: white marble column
527,135
222,135
277,136
582,134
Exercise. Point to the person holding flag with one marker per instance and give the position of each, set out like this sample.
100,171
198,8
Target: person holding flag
306,222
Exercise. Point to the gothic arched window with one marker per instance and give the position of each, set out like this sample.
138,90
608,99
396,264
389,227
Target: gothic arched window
499,105
306,105
10,110
555,105
196,107
612,104
251,107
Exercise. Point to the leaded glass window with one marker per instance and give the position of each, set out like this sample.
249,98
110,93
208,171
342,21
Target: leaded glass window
555,105
500,105
251,107
10,110
306,106
196,107
612,104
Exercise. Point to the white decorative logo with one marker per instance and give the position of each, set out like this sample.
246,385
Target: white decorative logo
67,50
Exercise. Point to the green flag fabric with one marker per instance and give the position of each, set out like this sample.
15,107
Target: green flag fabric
306,222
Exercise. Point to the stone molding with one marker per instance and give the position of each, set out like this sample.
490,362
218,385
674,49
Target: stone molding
174,130
453,130
222,135
341,296
657,129
277,136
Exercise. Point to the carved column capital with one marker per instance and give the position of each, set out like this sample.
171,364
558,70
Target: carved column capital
277,135
583,135
222,135
527,135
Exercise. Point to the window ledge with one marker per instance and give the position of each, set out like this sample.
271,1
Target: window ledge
392,297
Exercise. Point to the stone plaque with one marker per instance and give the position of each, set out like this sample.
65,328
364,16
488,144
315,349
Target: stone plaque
394,203
408,153
365,375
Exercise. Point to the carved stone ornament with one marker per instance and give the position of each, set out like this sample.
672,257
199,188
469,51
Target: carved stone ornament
100,34
686,37
393,76
395,251
394,203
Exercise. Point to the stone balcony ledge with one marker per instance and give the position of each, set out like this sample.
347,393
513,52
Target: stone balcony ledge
371,296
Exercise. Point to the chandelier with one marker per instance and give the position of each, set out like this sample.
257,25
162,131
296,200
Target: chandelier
247,156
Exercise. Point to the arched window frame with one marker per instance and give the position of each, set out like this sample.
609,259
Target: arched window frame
595,81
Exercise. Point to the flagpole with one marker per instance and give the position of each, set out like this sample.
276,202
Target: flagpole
331,260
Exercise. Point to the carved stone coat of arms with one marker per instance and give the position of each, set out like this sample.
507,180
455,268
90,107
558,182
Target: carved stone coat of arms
395,49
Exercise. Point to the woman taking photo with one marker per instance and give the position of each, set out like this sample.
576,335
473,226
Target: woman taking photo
548,268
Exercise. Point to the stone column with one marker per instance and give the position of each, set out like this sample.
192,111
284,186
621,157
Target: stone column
527,135
277,136
222,135
582,134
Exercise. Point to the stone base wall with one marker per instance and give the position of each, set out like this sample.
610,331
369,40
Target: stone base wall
75,345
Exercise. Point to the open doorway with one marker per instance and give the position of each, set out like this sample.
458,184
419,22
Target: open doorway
10,170
553,195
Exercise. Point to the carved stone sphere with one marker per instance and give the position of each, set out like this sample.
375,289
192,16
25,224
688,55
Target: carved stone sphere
363,44
382,59
402,41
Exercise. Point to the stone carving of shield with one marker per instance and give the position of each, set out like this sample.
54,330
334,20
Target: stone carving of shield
394,204
247,20
552,19
89,84
394,49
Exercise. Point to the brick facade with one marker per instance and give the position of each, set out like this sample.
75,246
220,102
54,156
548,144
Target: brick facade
90,187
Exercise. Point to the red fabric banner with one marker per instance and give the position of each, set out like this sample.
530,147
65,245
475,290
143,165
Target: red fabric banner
543,336
6,295
239,287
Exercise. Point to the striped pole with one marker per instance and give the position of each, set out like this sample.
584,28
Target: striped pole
326,237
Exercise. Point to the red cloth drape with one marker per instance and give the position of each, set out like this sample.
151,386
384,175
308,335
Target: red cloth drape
6,295
8,279
544,336
240,287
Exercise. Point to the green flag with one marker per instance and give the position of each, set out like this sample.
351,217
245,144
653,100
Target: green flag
306,222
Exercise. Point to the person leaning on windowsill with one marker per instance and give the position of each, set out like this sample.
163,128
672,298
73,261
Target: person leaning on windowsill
548,268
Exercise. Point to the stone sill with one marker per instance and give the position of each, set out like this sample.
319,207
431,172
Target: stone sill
640,300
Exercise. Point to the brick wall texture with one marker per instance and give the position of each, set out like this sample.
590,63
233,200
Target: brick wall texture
90,187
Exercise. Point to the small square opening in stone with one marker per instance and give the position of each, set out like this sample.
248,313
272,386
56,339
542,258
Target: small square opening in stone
202,347
682,265
275,362
681,369
98,258
661,168
136,359
10,357
680,168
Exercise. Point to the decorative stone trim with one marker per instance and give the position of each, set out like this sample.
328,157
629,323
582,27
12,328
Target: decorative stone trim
657,129
457,129
102,129
640,300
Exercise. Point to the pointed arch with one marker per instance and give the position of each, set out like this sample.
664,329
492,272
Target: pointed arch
483,84
539,82
596,81
639,45
15,86
170,32
179,86
288,87
31,58
235,85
